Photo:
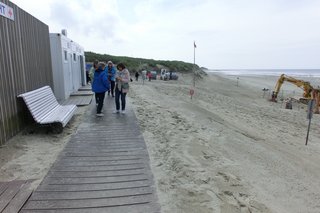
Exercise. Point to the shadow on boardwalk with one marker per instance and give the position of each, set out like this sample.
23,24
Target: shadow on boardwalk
103,168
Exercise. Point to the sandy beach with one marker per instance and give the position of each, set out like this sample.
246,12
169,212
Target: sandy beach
227,150
31,153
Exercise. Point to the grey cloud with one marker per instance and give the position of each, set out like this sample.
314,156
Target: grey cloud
63,14
176,5
84,21
103,27
84,3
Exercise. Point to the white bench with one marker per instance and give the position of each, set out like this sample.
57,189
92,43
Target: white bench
45,108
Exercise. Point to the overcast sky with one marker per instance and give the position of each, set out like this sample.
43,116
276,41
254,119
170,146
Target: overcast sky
229,34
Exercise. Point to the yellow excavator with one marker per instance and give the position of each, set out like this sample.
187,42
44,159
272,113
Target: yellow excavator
308,94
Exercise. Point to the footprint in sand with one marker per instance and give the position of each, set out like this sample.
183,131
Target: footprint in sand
234,195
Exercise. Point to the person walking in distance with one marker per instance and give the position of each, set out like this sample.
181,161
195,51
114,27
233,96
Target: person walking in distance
91,74
111,71
137,75
100,85
92,69
122,87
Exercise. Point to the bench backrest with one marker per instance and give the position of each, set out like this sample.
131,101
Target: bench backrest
40,102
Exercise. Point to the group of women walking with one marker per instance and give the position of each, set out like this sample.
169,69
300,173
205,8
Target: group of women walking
105,78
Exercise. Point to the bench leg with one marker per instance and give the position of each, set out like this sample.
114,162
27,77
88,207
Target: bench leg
57,128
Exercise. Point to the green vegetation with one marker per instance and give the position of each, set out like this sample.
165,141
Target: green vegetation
139,64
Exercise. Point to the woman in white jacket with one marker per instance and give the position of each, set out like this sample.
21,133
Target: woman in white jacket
122,87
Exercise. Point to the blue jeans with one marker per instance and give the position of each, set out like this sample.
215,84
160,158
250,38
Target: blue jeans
122,95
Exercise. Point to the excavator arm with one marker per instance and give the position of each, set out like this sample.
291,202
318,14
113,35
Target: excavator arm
316,97
299,83
309,91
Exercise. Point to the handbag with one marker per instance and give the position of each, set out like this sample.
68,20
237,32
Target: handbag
125,86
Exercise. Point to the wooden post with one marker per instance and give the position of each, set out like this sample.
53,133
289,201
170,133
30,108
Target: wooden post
194,64
309,116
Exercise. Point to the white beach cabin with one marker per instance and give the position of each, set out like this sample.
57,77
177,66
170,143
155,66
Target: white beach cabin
68,65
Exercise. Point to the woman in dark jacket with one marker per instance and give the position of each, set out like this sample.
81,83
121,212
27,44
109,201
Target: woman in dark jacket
100,85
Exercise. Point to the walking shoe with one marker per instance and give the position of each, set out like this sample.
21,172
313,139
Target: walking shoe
123,112
99,114
116,111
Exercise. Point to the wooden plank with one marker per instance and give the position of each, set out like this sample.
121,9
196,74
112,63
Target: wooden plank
19,199
107,152
3,187
88,203
106,143
97,174
98,168
110,139
97,158
105,149
148,208
83,154
9,193
96,187
94,180
78,100
98,163
91,194
82,93
86,88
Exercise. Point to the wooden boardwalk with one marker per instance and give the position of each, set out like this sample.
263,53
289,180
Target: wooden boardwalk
82,92
78,100
82,97
103,168
14,194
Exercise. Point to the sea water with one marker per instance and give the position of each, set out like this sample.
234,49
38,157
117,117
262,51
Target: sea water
269,72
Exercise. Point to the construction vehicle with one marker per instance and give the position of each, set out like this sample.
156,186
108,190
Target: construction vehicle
316,97
309,92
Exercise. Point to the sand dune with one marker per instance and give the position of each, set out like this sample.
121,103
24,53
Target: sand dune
228,149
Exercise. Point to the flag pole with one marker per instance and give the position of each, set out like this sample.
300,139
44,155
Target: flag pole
194,75
194,64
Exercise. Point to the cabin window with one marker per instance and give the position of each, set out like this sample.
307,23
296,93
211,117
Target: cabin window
65,55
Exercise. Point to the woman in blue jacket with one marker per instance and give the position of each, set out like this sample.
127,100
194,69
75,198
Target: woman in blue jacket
100,85
111,72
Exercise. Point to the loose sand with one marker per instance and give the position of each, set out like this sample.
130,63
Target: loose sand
30,154
228,149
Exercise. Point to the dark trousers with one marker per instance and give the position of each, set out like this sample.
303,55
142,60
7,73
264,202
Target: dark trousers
87,77
100,99
112,88
120,94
